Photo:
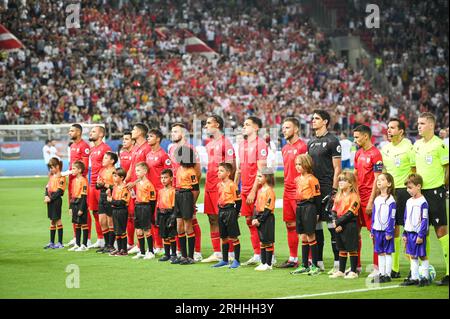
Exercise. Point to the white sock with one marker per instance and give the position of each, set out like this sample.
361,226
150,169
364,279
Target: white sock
382,265
336,263
218,254
320,264
414,269
293,259
388,264
425,268
257,257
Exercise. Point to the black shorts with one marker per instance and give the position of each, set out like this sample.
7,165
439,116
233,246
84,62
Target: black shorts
184,204
266,230
347,240
81,220
104,207
143,216
54,209
120,220
167,223
306,218
402,196
324,191
228,222
437,210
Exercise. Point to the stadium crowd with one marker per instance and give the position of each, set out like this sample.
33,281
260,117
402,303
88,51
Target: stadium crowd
274,63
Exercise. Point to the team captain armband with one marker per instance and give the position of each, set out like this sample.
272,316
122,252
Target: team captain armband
378,167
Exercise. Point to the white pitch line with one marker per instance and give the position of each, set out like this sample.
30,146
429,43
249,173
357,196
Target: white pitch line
338,292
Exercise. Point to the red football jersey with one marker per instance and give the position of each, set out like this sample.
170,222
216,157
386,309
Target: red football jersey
249,154
290,152
80,152
125,159
96,159
367,163
175,164
138,154
157,162
219,151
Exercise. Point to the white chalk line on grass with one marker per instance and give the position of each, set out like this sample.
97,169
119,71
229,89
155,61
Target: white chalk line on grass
339,292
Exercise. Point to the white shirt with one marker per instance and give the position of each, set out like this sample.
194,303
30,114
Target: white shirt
384,211
49,152
416,210
346,149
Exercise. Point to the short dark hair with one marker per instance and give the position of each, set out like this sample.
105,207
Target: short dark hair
121,172
167,171
102,129
414,179
185,156
255,120
228,167
127,132
80,165
143,165
428,116
78,126
293,120
218,119
363,129
156,132
142,127
112,156
55,162
179,124
324,115
47,141
401,124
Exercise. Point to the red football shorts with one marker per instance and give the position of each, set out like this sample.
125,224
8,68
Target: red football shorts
93,197
211,200
247,210
289,209
364,220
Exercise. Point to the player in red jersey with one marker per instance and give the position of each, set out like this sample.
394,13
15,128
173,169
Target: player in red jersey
368,165
97,152
178,137
125,151
294,147
157,160
79,151
220,150
252,157
138,154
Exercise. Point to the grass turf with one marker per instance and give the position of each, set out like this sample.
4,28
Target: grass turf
28,271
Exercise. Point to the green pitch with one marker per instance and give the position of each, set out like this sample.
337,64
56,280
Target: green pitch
29,271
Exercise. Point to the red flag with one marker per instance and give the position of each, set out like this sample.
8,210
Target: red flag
8,41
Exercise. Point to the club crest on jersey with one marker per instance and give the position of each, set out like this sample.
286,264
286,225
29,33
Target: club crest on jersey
338,149
429,159
230,152
86,151
167,162
368,160
324,144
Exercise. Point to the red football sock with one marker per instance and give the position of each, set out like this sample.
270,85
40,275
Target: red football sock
157,240
292,237
359,251
177,240
375,255
215,240
98,228
255,240
74,230
198,235
231,249
130,231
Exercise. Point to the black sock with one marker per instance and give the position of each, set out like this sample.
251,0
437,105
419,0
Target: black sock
60,235
313,248
78,236
191,244
225,248
167,249
333,243
173,247
237,252
263,256
183,249
305,254
52,235
342,263
142,245
106,238
320,241
150,243
85,236
269,254
112,239
353,262
124,243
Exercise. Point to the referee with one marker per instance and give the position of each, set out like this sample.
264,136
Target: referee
325,150
431,158
398,160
